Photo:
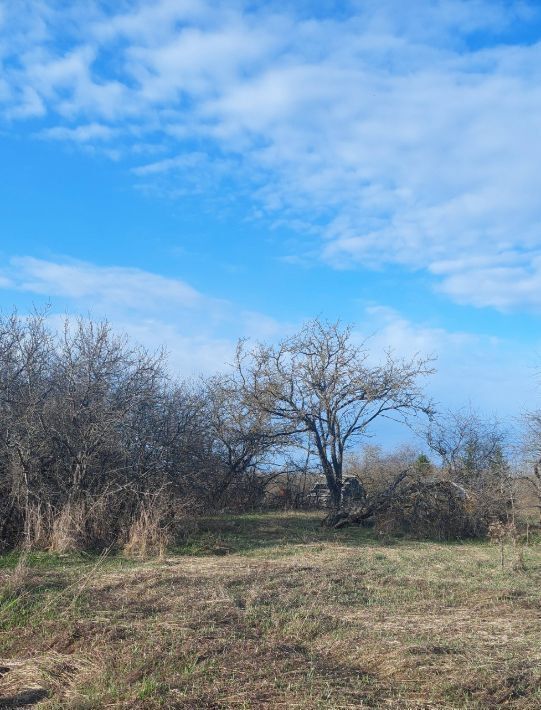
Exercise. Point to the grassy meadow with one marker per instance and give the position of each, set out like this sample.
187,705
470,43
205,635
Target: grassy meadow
273,611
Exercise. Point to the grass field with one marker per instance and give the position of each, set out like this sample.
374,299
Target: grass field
272,611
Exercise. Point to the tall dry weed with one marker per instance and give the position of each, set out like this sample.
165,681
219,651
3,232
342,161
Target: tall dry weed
37,527
68,530
149,534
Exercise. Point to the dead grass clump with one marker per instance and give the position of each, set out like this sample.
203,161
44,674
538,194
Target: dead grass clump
30,680
37,526
68,531
59,531
17,580
91,524
148,535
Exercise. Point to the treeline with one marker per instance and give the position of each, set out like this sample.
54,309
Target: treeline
101,446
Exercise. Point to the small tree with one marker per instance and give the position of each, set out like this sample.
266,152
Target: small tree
471,449
245,440
321,382
473,455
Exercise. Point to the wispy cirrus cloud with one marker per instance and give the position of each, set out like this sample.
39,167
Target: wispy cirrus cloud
389,134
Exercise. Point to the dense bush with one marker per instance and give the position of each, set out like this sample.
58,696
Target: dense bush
91,426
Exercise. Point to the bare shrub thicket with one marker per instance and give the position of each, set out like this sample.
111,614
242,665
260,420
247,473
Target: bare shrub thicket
474,454
467,488
405,493
91,425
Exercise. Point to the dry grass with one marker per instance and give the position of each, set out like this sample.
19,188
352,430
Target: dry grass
147,536
272,612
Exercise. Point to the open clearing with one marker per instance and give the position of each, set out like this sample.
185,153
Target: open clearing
272,611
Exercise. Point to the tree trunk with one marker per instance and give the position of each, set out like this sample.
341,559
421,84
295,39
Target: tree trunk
334,483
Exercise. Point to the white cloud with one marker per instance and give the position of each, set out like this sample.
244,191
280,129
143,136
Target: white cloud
199,331
392,330
111,286
80,134
186,161
189,352
29,105
386,132
495,375
511,281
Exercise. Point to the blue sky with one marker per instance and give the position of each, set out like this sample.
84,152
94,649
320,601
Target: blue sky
201,171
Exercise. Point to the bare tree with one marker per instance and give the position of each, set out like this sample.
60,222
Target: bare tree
474,454
101,382
25,383
321,382
471,448
245,439
532,451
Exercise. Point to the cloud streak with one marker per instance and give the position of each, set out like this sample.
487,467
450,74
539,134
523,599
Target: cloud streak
114,286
